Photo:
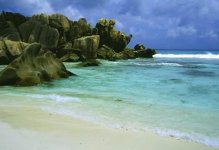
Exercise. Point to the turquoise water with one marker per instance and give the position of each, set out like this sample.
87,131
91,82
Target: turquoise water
174,94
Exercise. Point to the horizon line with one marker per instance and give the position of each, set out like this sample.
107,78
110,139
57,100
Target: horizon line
201,49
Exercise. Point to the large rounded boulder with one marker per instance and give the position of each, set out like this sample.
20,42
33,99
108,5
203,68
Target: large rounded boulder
59,22
88,45
34,66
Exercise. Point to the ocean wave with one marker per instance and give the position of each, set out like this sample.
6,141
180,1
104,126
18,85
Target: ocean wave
158,64
56,97
133,126
144,63
200,56
74,113
212,142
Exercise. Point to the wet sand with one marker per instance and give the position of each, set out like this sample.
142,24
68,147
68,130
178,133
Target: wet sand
24,128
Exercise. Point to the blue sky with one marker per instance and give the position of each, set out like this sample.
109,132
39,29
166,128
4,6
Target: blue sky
155,23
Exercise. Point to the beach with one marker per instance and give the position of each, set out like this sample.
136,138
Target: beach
31,128
109,75
169,102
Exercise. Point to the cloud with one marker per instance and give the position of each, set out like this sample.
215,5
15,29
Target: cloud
40,6
210,34
119,25
71,13
158,23
181,31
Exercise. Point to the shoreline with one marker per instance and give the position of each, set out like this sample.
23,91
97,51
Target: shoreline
31,127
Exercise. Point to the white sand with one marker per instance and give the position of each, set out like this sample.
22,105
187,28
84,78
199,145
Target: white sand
27,128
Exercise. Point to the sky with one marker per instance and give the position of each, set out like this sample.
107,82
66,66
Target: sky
166,24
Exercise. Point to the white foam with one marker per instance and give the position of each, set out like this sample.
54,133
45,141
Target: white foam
213,142
200,56
56,97
106,122
77,114
169,64
157,64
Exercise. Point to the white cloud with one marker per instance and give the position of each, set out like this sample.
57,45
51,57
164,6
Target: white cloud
210,34
178,31
119,24
40,6
71,13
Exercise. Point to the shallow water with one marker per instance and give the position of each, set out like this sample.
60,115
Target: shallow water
173,96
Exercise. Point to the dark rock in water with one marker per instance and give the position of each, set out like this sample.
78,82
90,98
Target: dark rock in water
148,53
199,73
9,50
34,31
70,58
139,47
90,62
34,66
109,36
176,80
183,101
142,52
88,46
128,54
106,52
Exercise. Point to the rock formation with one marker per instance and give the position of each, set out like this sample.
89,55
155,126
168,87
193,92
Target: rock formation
88,46
139,47
34,31
142,52
9,50
110,37
61,35
34,66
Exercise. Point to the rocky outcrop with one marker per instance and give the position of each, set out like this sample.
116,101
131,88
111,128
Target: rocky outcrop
109,36
34,66
15,19
147,53
70,58
34,31
142,52
128,54
59,22
8,25
8,31
106,52
69,40
43,18
139,47
88,46
9,50
90,62
79,29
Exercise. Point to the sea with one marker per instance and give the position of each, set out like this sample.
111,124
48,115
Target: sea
175,94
